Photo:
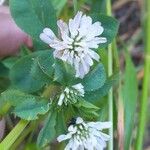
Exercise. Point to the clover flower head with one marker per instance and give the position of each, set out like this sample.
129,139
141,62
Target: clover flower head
87,136
71,95
77,40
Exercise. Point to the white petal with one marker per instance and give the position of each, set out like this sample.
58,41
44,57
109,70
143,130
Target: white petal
89,60
61,99
49,33
64,32
78,86
102,40
45,38
93,55
74,24
58,45
65,55
100,125
72,129
63,27
79,120
64,137
86,22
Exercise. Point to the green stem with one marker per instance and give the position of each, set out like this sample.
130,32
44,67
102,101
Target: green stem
110,72
146,80
13,135
75,6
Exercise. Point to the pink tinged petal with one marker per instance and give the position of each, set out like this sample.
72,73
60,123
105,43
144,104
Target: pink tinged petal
45,38
63,27
93,55
64,137
61,99
64,32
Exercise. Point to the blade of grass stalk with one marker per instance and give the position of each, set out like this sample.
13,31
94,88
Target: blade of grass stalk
75,6
146,80
13,135
129,95
110,72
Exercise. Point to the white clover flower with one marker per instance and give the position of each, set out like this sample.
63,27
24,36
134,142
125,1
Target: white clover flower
86,136
77,39
71,95
1,2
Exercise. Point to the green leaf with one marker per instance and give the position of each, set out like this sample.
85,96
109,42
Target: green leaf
3,70
15,98
4,84
95,79
30,73
32,16
48,132
9,62
130,93
46,62
64,72
110,26
86,105
58,5
31,109
86,109
98,6
60,126
96,95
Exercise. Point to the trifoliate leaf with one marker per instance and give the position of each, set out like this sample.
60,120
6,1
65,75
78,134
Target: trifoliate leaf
99,93
31,73
32,16
15,98
95,79
31,109
64,72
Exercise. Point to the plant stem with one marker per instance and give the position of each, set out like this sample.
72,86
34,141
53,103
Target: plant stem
110,72
146,80
75,6
13,135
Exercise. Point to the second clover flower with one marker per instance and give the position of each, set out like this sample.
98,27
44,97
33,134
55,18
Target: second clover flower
76,42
